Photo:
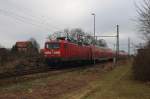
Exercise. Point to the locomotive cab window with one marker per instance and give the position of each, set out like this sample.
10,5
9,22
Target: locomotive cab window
53,45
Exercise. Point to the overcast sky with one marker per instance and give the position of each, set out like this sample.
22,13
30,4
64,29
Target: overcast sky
22,19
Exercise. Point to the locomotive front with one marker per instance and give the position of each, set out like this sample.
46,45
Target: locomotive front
53,51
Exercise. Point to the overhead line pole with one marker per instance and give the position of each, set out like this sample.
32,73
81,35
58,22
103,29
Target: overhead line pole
94,26
129,47
117,44
94,36
117,41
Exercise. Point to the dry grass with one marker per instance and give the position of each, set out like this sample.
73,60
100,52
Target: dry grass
118,84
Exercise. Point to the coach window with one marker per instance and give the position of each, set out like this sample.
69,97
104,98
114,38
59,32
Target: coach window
65,45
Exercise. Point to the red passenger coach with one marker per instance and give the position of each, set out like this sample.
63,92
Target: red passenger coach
102,53
123,54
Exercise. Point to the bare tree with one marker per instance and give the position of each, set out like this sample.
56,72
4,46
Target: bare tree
141,68
77,35
35,44
144,18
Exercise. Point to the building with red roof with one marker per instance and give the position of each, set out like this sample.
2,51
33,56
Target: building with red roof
23,46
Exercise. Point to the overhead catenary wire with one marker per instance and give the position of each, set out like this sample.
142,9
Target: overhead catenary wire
39,18
27,20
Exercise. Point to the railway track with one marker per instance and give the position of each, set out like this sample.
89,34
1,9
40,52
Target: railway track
35,74
42,68
39,69
24,67
17,73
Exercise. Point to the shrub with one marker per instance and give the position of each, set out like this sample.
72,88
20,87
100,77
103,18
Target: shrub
3,55
141,64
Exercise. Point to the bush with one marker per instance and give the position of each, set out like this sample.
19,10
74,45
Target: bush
3,56
141,65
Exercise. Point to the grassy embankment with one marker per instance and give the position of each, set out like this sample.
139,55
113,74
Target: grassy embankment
118,84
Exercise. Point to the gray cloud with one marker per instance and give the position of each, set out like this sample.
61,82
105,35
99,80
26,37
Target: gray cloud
22,19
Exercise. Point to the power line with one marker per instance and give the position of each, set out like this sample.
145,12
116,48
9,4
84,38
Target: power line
23,10
24,19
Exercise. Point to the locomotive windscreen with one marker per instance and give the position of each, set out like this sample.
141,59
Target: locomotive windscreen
53,45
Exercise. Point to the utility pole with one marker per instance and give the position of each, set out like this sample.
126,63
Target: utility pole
129,47
94,26
114,47
94,23
117,44
94,36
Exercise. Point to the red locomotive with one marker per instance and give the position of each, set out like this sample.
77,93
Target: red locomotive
62,50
